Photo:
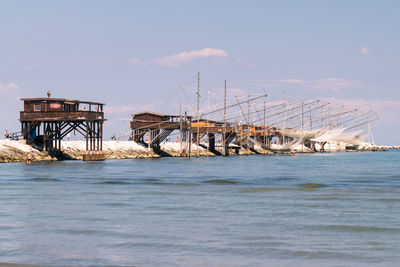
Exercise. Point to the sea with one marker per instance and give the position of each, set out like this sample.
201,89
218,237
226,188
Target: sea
322,209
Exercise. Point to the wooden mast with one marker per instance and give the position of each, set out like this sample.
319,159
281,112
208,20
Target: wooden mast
198,114
265,127
224,136
248,125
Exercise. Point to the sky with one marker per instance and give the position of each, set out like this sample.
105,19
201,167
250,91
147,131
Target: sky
137,55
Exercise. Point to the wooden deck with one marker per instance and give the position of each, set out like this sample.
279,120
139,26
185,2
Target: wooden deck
61,116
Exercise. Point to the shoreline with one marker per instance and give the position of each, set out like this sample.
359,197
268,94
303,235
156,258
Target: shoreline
16,151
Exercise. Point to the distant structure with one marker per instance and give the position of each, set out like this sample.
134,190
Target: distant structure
46,121
209,129
157,127
151,128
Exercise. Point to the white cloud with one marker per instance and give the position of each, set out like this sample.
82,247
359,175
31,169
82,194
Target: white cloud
138,62
220,57
9,87
335,84
364,51
183,57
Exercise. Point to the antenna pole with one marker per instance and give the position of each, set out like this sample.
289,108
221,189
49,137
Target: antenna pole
208,136
224,137
198,114
302,125
180,127
284,119
265,127
248,125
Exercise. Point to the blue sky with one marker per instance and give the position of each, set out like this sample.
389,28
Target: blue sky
133,55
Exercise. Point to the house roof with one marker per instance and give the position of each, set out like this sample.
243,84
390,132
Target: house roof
51,99
150,113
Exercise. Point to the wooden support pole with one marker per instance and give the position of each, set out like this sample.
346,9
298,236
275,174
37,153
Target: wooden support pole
302,125
101,136
44,136
248,125
265,126
224,145
211,142
180,130
198,115
189,137
98,136
59,141
87,136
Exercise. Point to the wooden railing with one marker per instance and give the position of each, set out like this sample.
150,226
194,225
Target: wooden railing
61,115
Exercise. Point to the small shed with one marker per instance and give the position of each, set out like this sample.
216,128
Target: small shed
46,121
158,126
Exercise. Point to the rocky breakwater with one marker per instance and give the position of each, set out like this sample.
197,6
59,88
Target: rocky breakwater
14,151
389,147
373,147
111,150
173,149
127,149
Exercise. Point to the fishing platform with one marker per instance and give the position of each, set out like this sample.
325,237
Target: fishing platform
210,129
46,121
158,127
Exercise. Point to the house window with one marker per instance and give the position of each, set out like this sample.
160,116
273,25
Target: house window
55,106
36,107
70,107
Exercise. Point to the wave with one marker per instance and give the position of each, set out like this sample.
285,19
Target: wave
263,189
116,204
134,244
312,185
355,228
79,231
159,182
150,180
183,184
91,232
324,254
388,200
222,181
114,182
44,179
